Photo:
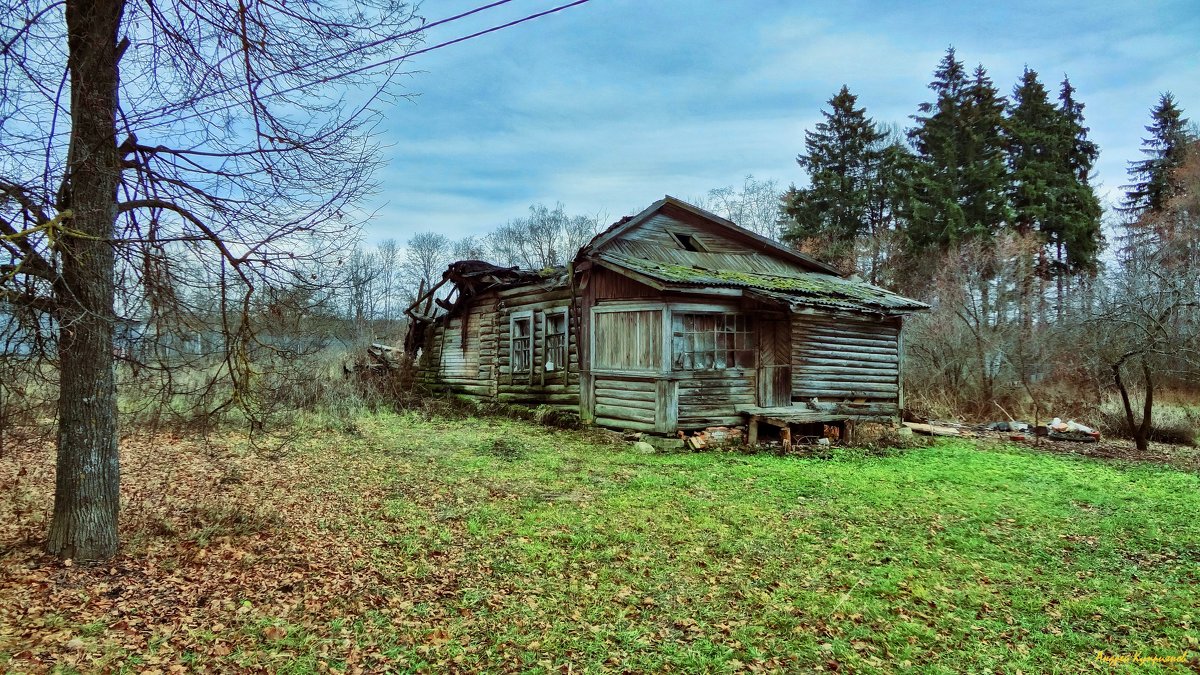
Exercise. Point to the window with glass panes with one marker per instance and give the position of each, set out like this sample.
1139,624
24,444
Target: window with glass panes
556,341
522,344
711,341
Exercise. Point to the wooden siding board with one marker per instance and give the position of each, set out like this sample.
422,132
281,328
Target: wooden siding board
843,358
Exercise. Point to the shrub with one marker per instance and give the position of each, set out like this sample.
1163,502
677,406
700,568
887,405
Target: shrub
1168,424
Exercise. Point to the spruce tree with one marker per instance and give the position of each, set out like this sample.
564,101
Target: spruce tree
985,177
936,218
1165,151
1033,140
1049,160
1033,144
1074,228
840,160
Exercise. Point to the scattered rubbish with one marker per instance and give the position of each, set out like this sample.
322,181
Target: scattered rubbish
715,437
1071,430
1008,426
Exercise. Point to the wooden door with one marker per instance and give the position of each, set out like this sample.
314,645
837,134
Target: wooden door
774,362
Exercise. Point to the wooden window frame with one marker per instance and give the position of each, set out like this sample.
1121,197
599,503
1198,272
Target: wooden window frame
689,242
737,329
564,349
608,306
513,320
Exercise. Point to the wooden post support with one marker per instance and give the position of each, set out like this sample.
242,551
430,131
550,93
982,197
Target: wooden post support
752,440
785,435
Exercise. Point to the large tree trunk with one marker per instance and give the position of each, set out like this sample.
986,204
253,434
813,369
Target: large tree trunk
87,491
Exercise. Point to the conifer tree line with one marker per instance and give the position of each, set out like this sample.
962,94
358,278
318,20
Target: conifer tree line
974,166
985,206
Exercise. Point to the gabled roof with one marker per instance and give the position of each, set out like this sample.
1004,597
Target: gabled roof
755,240
795,290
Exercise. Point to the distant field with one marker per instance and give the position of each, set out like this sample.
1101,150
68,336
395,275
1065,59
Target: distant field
406,543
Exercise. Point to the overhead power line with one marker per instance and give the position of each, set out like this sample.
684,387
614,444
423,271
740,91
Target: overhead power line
372,66
349,52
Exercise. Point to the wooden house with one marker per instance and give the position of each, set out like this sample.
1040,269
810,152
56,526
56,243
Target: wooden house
673,319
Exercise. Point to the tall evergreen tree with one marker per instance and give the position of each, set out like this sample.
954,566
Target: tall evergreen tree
936,217
985,177
1049,160
840,158
1165,152
959,184
888,198
1074,228
1033,134
1033,143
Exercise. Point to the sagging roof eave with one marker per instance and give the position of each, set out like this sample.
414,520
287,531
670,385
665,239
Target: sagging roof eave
801,305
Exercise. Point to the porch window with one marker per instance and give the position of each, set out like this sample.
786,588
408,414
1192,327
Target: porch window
522,343
711,341
556,341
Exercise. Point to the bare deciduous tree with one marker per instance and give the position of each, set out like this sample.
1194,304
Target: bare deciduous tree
546,238
143,141
1145,329
426,257
754,205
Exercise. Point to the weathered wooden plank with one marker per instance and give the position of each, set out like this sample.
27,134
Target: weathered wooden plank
666,414
625,394
648,406
631,384
822,336
547,389
689,401
856,384
614,423
847,391
624,413
699,422
815,348
537,397
844,359
877,370
849,377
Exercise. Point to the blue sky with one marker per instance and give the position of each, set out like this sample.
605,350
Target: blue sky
608,106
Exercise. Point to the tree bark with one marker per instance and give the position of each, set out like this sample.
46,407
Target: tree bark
87,490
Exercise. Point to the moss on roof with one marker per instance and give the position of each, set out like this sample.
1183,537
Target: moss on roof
813,286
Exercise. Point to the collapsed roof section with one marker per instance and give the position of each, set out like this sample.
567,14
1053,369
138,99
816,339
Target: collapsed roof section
473,277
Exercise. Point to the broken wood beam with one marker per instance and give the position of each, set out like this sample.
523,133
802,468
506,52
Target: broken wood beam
932,430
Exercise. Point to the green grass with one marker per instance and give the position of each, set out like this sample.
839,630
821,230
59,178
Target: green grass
421,543
946,559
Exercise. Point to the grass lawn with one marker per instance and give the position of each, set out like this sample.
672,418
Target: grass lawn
409,543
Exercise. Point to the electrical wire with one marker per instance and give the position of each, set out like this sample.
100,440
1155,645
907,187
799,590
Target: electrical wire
365,68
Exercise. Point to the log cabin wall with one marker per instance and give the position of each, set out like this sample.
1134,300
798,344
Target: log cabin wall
838,358
474,351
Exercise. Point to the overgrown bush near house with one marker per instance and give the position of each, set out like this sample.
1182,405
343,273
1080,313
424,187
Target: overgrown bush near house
1171,423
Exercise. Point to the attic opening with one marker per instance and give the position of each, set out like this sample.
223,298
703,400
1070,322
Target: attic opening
689,242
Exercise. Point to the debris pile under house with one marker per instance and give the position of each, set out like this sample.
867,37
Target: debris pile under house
673,320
